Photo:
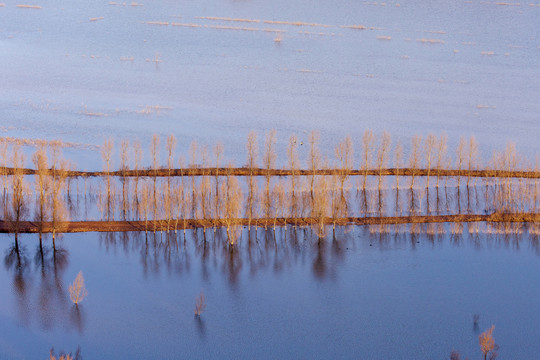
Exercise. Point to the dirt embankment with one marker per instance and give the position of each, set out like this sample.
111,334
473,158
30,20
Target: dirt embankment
288,172
161,225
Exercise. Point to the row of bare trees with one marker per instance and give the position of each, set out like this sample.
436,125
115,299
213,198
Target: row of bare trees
174,194
427,157
18,200
201,204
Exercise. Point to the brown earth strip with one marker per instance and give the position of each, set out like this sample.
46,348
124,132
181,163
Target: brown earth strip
161,225
286,172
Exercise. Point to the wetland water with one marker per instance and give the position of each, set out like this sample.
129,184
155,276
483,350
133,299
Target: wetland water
358,295
83,71
467,68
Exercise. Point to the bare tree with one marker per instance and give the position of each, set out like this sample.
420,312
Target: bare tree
193,164
338,206
278,196
367,144
77,290
473,158
124,149
314,157
398,161
269,160
143,204
320,206
441,155
205,193
292,154
106,154
232,204
137,160
182,199
171,145
487,342
414,158
19,188
205,189
252,154
382,155
345,156
154,150
218,153
460,153
57,208
510,163
4,147
429,147
166,206
536,169
39,158
254,205
294,162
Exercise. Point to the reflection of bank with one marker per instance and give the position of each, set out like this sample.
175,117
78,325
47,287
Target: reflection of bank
38,286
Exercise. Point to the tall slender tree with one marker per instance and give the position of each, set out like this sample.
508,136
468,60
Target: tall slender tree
472,158
429,147
193,164
460,154
367,143
137,161
106,155
19,188
314,157
398,161
345,156
414,158
382,155
124,167
252,155
441,155
218,153
42,185
269,160
154,150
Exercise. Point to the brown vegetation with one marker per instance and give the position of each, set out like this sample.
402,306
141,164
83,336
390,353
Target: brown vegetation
159,197
487,343
77,290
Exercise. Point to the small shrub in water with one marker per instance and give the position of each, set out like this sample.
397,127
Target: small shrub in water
487,344
200,304
63,356
77,291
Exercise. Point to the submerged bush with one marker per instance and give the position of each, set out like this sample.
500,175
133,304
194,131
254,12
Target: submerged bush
77,291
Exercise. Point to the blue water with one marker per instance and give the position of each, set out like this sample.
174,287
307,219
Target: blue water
63,76
353,296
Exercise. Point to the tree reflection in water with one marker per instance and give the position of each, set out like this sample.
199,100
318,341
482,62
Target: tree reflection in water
39,287
258,250
16,260
41,293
